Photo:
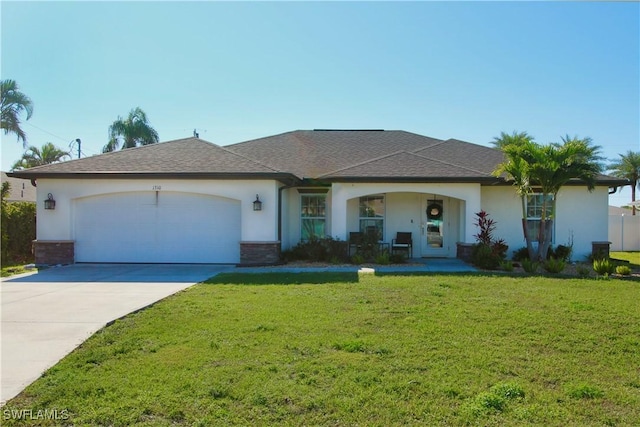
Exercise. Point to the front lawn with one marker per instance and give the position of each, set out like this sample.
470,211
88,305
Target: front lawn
348,349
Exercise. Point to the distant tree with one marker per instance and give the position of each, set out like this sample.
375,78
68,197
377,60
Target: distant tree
4,191
13,104
130,132
628,167
35,156
548,167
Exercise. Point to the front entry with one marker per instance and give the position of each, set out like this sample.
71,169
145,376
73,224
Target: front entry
435,227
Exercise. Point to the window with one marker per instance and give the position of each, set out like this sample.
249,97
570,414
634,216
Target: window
371,215
534,213
312,216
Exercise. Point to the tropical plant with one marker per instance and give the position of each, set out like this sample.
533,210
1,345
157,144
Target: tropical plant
604,266
547,168
35,156
628,166
131,132
13,104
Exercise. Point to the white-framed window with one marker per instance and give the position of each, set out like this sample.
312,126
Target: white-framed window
534,206
371,215
313,216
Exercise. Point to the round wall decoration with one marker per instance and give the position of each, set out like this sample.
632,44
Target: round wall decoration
434,211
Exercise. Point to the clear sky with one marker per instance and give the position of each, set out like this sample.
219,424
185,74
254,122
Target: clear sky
242,70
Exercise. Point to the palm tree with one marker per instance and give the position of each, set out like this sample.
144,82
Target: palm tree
514,168
130,132
35,156
628,167
549,167
14,103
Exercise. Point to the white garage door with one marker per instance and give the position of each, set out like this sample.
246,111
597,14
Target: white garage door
162,227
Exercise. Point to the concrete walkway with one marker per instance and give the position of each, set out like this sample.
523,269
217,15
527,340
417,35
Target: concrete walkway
47,314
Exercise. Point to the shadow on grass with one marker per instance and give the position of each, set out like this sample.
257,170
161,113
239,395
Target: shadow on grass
282,278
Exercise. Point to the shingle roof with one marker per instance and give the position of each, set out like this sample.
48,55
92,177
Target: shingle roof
182,156
373,155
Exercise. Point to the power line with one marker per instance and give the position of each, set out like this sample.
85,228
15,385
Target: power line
47,132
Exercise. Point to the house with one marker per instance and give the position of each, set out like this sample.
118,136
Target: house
20,190
191,201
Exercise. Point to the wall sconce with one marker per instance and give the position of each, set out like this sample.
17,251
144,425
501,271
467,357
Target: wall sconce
49,203
257,204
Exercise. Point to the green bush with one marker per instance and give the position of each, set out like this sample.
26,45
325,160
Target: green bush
530,266
357,259
520,255
561,252
398,258
326,249
554,265
383,258
623,270
506,265
482,256
603,266
18,226
583,271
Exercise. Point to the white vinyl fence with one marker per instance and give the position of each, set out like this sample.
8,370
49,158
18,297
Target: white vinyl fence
624,232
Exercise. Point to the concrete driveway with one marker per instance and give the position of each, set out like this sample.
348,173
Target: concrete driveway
48,314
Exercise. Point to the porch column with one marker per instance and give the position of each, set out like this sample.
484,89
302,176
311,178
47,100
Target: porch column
338,212
472,206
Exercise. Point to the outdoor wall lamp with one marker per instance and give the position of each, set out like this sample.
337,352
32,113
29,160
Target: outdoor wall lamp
49,203
257,204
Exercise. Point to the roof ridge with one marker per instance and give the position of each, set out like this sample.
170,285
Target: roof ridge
262,137
395,153
252,160
122,150
451,164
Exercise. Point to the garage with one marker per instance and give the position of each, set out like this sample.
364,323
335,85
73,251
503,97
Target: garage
157,227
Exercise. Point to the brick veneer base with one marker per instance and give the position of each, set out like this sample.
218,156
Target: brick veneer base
464,251
53,252
259,253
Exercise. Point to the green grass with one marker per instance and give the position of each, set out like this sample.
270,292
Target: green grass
632,257
12,270
343,349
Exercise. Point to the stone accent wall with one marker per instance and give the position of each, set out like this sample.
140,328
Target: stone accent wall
464,251
259,253
53,252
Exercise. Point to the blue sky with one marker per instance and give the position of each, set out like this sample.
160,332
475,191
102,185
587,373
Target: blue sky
242,70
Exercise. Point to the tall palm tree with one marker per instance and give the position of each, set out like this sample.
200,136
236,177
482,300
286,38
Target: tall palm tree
514,168
130,132
13,104
35,156
549,168
628,167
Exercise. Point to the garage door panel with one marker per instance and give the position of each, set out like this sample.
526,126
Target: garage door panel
172,227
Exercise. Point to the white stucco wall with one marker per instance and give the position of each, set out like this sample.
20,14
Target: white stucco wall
581,216
256,225
344,208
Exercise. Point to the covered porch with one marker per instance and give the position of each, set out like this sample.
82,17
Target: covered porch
438,216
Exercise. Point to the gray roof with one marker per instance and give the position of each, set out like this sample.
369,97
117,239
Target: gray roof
327,155
189,156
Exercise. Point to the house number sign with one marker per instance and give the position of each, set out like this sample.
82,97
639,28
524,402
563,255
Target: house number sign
157,187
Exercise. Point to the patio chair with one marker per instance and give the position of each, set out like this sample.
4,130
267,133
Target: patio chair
402,242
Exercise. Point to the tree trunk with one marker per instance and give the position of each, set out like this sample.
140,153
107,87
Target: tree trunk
527,238
546,228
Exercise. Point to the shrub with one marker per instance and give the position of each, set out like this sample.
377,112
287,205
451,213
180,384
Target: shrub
488,252
357,259
603,266
316,249
554,265
397,258
18,224
530,266
520,255
583,271
482,256
506,265
623,270
383,258
561,252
